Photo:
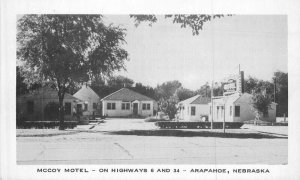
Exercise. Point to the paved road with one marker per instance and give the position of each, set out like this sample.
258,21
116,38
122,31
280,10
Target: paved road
132,141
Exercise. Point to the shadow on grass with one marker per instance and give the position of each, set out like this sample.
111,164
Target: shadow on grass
181,133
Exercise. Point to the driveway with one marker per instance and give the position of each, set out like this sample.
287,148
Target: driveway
133,141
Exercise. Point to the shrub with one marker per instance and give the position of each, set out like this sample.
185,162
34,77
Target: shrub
51,111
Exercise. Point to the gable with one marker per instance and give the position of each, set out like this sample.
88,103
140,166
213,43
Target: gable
86,93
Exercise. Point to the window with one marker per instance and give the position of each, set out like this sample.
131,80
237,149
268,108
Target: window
94,105
193,110
111,106
237,111
85,106
108,106
146,106
67,108
30,107
125,106
230,110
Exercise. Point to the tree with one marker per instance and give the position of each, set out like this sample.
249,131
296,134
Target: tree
145,90
69,49
119,82
183,93
261,102
194,21
169,106
280,80
204,91
167,89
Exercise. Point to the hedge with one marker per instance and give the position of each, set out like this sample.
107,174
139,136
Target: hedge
45,124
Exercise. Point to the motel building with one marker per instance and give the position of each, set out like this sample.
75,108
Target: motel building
235,105
91,101
194,109
126,102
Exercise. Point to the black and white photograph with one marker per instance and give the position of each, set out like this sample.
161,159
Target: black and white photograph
143,89
206,95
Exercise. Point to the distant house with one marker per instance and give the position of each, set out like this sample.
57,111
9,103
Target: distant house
91,101
194,108
32,106
126,102
237,108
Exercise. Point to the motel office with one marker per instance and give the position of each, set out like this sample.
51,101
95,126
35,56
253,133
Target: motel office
235,105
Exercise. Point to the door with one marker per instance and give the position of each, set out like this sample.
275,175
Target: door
135,108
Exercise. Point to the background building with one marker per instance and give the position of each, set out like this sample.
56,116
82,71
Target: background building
91,101
32,106
237,108
194,108
126,102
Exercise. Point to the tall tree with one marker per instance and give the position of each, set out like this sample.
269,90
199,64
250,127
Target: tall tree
167,89
183,93
280,80
194,21
68,49
120,82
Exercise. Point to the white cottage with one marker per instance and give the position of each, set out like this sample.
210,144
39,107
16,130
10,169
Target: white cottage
194,109
126,102
31,106
237,108
91,101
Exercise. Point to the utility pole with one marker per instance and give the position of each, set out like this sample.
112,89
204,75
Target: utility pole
224,119
212,105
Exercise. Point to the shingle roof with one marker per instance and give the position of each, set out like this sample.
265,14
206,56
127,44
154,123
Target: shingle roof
196,100
126,94
201,100
46,93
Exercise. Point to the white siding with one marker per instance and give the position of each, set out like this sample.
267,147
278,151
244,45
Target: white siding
119,112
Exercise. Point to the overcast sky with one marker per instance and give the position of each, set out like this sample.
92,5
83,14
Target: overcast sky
167,52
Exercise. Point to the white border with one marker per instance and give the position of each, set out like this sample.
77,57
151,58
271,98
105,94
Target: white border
9,10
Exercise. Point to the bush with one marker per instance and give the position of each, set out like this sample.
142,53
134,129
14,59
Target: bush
154,119
44,124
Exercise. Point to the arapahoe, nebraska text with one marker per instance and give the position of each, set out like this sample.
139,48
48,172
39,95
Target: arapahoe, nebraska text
250,171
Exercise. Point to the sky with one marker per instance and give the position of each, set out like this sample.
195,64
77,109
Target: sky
165,51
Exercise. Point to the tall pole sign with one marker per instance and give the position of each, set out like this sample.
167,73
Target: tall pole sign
234,84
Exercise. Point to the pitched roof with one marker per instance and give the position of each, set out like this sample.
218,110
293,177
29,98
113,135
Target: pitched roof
201,100
196,100
126,94
46,93
85,92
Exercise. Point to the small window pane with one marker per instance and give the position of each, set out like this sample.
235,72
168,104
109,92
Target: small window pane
128,106
193,110
148,106
123,106
67,108
144,106
237,111
113,106
108,105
